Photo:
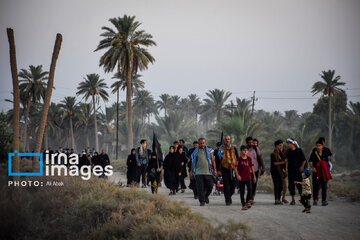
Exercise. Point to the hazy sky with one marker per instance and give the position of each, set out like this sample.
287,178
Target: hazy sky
277,48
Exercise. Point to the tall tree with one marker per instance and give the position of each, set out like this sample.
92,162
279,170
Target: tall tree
93,87
144,104
69,107
16,94
122,83
328,87
216,102
48,94
194,104
164,102
126,48
85,110
32,87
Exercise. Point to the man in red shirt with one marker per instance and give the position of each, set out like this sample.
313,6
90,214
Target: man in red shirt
242,169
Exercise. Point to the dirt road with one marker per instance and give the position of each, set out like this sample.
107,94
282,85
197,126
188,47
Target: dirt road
339,220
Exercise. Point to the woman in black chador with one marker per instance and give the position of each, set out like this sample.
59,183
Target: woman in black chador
183,161
172,171
153,170
131,167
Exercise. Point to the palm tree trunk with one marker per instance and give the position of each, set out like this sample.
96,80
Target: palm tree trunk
47,99
96,128
129,112
46,138
28,105
117,123
330,123
16,93
73,145
87,137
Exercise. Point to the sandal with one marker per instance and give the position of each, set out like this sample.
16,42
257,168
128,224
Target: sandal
244,208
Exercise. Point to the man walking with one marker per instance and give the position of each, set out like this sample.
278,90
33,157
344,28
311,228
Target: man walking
227,155
257,160
203,167
142,160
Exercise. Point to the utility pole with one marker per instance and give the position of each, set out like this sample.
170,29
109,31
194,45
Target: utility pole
253,103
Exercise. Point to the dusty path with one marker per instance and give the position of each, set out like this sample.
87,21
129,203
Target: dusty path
339,220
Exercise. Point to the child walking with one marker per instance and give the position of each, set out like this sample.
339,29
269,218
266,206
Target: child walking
306,190
242,168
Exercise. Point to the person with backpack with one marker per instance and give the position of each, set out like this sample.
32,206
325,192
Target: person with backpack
257,160
203,169
296,165
227,155
142,160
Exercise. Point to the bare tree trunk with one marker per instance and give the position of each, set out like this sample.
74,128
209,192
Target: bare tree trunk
330,123
46,138
47,99
16,94
117,124
25,140
129,111
73,144
87,137
96,128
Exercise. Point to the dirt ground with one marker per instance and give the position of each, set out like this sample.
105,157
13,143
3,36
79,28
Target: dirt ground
339,220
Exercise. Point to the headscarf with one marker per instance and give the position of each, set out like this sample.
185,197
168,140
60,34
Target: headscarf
291,140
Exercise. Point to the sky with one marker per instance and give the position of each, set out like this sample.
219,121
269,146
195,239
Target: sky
275,48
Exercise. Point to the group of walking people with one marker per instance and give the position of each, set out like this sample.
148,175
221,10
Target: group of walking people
235,169
289,170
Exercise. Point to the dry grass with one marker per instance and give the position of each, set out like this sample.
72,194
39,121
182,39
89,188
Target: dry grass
97,209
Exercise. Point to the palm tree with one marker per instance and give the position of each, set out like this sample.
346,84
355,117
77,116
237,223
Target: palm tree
16,93
243,105
216,102
84,116
32,87
69,107
93,87
48,94
126,48
329,86
144,104
194,104
175,126
122,83
164,102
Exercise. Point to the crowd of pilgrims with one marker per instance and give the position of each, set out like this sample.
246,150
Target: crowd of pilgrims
88,156
229,169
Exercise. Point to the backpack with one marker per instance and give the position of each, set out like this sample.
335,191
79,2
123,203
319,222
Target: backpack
229,157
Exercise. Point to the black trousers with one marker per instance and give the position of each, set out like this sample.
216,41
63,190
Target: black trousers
278,185
242,191
295,177
182,182
316,188
192,186
253,187
141,171
204,185
305,201
229,184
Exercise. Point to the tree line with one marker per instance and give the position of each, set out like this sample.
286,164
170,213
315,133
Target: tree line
79,121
